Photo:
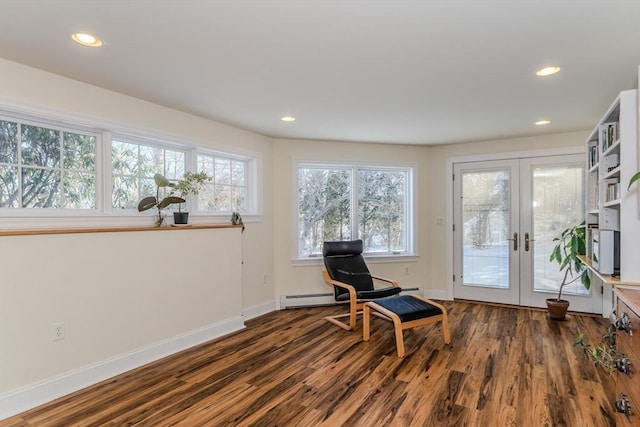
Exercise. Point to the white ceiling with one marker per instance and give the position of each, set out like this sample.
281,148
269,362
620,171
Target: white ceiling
396,71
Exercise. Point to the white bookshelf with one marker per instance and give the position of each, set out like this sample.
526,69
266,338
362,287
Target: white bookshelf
612,158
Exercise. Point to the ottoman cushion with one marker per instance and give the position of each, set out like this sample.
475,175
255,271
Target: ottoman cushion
409,308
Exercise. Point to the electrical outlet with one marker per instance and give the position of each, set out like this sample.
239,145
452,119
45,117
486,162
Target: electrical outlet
265,280
57,331
406,271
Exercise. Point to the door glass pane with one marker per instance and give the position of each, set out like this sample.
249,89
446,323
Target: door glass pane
558,203
485,210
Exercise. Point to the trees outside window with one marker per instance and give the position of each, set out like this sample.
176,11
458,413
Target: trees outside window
382,210
353,202
133,167
228,190
46,167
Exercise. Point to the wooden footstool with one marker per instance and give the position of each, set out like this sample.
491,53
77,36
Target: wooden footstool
406,312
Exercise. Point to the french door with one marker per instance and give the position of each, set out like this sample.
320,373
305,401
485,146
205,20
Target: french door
506,215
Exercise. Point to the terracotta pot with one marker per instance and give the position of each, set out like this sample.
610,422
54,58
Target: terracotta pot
557,308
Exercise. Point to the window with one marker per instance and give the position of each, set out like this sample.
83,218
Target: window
62,171
354,202
133,167
45,167
227,191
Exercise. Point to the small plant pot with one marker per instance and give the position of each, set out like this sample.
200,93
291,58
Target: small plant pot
557,308
181,218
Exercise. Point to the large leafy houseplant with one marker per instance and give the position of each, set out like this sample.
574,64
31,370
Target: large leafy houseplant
155,201
633,179
571,243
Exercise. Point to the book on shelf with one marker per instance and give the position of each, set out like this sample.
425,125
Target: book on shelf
608,135
593,155
612,190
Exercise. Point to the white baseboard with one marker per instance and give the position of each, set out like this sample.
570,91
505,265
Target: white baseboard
258,310
20,400
305,300
439,294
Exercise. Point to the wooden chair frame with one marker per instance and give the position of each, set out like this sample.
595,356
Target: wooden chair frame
355,304
399,326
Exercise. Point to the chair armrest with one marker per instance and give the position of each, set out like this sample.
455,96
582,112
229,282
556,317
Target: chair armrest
382,279
329,281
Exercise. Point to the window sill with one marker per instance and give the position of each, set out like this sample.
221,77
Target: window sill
109,230
115,220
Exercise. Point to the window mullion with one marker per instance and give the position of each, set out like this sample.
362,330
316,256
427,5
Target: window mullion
191,165
104,173
19,159
355,189
63,198
408,212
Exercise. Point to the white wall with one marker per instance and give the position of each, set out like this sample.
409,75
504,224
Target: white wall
116,292
306,279
429,272
34,90
86,290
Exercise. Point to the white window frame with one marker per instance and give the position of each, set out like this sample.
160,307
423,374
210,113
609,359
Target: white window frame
140,141
249,177
104,215
355,167
61,127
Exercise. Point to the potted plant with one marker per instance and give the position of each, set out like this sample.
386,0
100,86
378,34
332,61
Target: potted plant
191,183
236,219
633,179
570,244
155,202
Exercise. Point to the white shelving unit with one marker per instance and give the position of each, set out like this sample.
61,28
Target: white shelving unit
612,158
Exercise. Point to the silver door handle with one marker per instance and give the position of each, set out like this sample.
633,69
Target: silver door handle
526,242
515,241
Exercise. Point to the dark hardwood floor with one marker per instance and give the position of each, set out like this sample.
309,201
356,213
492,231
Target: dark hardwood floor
504,367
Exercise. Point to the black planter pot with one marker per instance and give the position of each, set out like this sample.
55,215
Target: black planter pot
181,218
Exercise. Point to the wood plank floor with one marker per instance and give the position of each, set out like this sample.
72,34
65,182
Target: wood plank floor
504,367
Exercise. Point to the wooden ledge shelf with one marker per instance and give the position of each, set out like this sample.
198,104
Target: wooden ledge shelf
631,297
615,281
36,231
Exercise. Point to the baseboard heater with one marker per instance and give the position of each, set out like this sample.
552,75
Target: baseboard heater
318,300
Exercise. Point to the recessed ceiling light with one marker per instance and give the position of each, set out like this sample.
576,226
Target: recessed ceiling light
547,71
288,119
542,122
86,39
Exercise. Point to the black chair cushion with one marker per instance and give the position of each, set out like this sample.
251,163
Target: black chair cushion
344,262
409,308
371,295
342,248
